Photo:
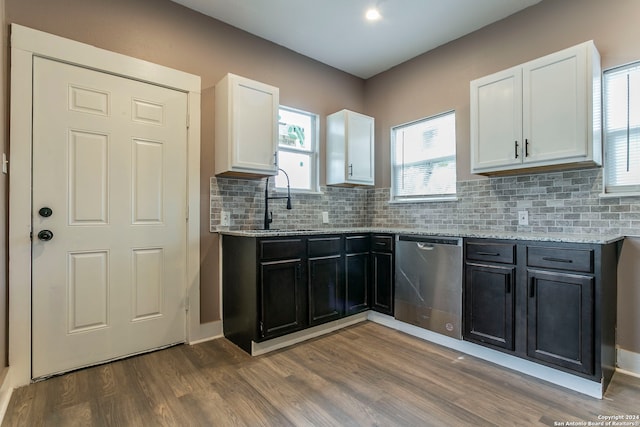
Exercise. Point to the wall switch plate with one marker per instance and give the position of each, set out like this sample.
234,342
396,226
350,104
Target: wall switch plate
523,217
225,219
325,217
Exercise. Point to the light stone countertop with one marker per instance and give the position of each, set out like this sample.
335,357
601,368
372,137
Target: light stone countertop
593,238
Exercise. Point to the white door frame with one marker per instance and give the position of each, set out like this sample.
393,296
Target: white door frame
25,44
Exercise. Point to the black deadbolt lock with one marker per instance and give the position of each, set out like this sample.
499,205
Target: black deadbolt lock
45,212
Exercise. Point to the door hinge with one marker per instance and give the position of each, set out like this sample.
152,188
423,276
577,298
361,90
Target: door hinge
188,121
187,304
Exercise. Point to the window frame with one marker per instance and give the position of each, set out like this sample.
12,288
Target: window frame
313,153
630,190
424,198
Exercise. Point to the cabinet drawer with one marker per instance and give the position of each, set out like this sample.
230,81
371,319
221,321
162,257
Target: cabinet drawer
568,259
382,243
324,246
504,253
357,244
281,248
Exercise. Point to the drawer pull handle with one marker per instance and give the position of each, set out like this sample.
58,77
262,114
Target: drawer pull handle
546,258
489,253
381,243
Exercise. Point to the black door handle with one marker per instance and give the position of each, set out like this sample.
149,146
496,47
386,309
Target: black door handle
45,235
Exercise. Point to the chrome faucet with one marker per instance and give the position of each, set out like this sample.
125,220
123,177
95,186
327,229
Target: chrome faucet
268,216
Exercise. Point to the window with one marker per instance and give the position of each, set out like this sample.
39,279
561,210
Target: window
423,159
622,129
297,149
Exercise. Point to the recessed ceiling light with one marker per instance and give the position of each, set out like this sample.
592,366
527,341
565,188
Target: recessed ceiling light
373,14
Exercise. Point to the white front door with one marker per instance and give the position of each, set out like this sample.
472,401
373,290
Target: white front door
109,163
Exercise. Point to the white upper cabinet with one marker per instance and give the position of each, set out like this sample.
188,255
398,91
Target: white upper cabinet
544,113
246,127
350,149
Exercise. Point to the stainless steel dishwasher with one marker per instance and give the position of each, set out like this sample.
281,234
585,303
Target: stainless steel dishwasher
428,288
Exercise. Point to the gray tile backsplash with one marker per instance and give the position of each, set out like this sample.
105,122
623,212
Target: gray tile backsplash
244,199
557,202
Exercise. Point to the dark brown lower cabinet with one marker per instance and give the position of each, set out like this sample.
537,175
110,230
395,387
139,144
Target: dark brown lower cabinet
357,272
549,302
264,293
357,282
281,298
560,319
382,273
490,308
326,289
273,286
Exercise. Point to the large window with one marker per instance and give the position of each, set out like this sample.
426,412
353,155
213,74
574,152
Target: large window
297,149
622,129
423,163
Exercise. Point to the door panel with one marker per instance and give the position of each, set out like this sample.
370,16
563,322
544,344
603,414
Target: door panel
560,319
490,296
109,160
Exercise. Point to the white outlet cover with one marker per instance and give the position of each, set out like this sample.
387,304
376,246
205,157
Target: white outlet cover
225,218
325,217
523,218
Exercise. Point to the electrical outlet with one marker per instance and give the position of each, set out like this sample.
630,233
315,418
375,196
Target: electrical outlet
325,217
225,219
523,218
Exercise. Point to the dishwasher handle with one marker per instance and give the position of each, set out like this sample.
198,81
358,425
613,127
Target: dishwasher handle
425,246
431,240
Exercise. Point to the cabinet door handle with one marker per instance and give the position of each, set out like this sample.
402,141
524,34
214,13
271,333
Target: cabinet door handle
568,261
275,159
351,169
489,253
526,148
532,288
516,148
298,272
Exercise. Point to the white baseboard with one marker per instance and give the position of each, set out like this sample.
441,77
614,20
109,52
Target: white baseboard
258,348
206,332
6,390
627,362
563,379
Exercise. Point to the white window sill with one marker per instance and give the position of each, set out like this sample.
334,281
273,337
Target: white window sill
281,191
425,200
617,195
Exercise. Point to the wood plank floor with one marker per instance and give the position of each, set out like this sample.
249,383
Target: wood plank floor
364,375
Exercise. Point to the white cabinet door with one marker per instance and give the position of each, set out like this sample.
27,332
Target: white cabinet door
555,107
496,120
360,149
246,127
350,149
544,113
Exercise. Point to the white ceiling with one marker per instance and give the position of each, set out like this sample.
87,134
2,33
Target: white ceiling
335,32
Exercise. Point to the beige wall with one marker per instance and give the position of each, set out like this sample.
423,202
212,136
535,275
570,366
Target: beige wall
165,33
628,336
3,196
